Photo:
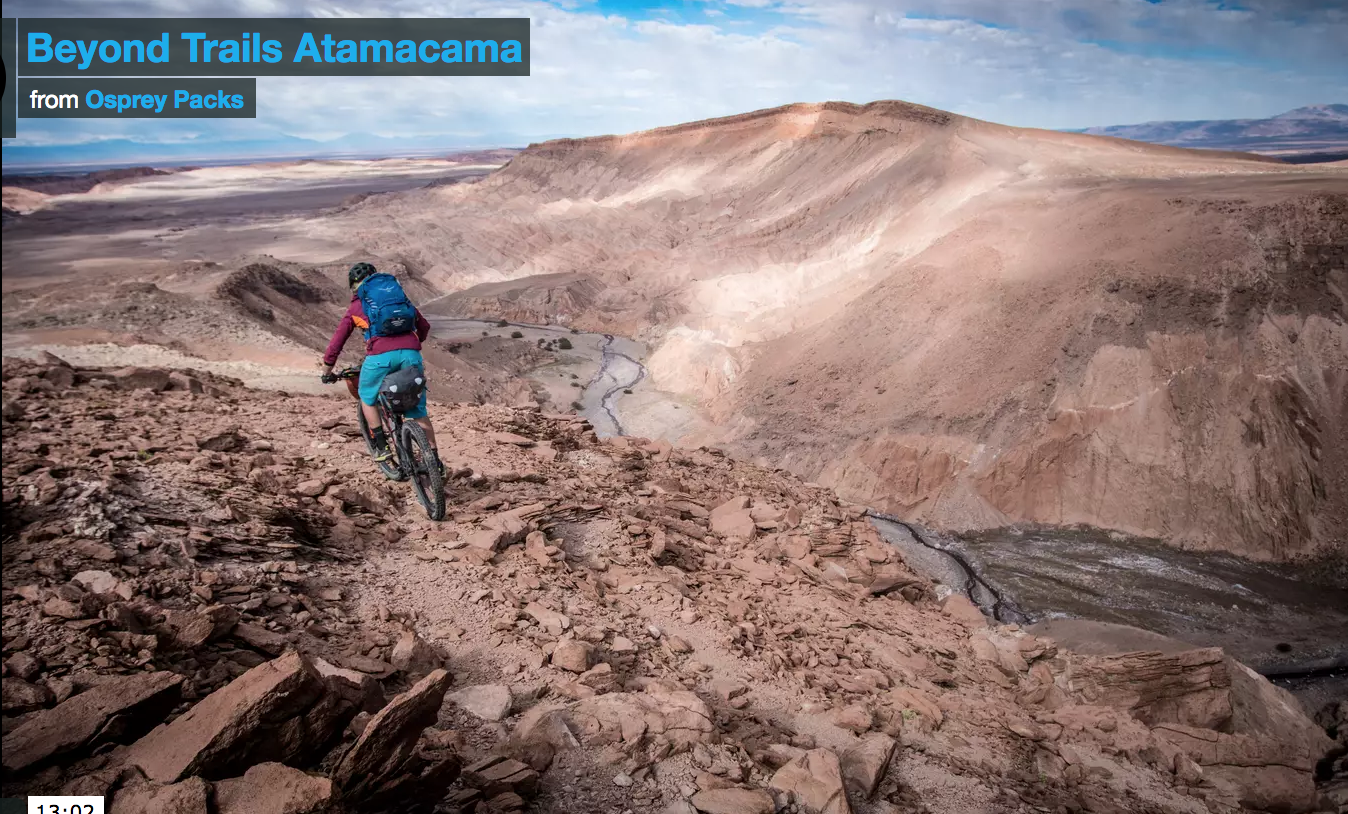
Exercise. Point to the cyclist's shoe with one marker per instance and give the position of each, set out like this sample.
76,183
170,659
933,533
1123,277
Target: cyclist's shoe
440,465
383,453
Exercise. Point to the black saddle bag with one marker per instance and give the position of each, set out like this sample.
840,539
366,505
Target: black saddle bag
402,388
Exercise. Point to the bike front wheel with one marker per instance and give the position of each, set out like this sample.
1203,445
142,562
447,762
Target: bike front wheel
390,467
422,463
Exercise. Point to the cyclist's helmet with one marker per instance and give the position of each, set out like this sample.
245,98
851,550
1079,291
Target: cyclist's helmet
358,273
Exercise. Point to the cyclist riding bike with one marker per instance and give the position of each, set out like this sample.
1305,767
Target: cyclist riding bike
392,343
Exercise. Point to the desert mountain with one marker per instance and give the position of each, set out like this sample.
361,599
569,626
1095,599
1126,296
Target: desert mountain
1305,130
953,320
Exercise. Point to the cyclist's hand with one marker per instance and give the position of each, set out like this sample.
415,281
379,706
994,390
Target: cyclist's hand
328,378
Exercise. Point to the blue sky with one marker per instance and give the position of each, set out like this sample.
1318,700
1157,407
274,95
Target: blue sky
613,66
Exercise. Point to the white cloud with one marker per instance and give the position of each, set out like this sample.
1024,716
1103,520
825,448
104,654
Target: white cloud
1047,63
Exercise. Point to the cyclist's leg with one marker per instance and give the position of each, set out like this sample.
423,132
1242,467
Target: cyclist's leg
372,372
371,414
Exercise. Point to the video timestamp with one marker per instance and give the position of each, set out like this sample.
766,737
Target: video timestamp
65,805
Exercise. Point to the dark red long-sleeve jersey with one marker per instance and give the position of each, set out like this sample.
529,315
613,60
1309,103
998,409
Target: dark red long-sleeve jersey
355,318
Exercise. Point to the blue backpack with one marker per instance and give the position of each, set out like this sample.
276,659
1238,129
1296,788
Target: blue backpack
387,307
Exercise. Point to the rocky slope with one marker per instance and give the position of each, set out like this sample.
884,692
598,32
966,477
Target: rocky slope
212,603
945,318
544,300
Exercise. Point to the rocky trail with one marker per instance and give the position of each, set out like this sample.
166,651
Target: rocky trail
212,602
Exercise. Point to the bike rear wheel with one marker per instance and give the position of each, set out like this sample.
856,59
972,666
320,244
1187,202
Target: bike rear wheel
421,461
390,468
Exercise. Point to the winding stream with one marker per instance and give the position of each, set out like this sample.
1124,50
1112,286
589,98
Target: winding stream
948,566
1289,622
623,371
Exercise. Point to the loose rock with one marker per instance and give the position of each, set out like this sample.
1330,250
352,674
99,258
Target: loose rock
384,761
413,655
864,764
733,801
21,696
191,796
814,780
134,703
268,713
273,788
490,702
572,655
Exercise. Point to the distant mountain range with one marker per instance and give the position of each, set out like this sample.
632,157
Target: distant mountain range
111,153
1313,131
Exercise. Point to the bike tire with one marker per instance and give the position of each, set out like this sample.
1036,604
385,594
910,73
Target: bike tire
390,468
426,480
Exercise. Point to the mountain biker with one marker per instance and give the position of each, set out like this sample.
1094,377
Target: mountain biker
383,355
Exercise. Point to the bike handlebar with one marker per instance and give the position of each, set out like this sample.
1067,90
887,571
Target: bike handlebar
336,376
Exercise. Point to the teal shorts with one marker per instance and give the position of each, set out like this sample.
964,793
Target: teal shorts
375,368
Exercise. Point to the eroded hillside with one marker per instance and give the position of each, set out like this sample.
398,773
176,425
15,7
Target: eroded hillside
963,322
256,318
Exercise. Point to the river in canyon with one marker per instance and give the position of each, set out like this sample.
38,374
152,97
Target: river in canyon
1289,622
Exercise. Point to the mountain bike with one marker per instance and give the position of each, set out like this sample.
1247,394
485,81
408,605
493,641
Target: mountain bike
413,459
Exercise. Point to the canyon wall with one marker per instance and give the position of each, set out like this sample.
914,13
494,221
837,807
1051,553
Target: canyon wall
966,323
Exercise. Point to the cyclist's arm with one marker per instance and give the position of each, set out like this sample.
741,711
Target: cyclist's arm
423,327
339,337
